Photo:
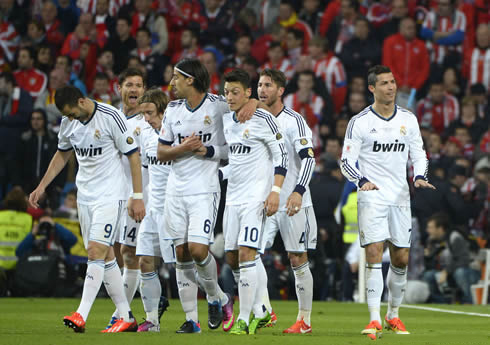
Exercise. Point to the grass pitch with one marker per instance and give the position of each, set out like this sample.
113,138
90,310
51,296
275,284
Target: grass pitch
39,321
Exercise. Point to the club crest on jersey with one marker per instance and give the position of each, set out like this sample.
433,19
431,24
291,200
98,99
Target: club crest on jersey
403,130
137,131
278,136
97,134
246,134
207,120
129,140
303,141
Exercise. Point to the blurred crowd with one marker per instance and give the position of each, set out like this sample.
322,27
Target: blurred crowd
438,50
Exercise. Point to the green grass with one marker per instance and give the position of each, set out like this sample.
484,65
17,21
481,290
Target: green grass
39,321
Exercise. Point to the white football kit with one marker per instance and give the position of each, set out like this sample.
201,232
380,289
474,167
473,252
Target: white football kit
298,232
256,151
381,147
102,187
193,190
129,233
152,237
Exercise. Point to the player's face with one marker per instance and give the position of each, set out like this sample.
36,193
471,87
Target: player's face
75,113
131,89
268,91
236,95
180,84
149,111
385,89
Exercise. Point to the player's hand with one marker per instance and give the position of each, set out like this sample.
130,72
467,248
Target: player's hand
423,184
293,204
247,110
369,186
136,209
191,144
271,204
35,196
201,151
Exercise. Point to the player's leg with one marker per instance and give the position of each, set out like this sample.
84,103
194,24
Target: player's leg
400,228
373,228
270,231
131,271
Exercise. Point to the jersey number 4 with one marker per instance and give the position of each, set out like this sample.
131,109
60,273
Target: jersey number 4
131,234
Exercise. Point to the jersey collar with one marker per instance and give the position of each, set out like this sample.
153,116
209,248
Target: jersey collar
193,110
382,117
93,114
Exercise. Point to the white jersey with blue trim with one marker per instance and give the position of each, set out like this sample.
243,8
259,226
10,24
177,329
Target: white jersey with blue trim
256,151
136,125
99,145
298,138
192,174
381,147
158,171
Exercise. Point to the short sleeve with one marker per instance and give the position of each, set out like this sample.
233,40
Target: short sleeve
301,135
64,143
166,136
123,138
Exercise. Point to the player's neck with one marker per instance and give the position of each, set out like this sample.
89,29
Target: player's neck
195,98
129,111
385,110
276,108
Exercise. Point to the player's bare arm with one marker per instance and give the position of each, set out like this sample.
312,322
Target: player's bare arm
57,164
247,111
167,153
420,183
272,202
136,206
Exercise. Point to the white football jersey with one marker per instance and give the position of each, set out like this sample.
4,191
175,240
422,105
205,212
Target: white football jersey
192,174
381,147
136,125
254,148
158,171
99,144
298,138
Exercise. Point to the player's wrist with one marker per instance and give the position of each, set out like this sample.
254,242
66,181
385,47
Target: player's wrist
209,151
299,189
362,182
276,189
137,196
420,177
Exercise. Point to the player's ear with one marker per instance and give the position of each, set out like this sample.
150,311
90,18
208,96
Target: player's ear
280,91
371,88
248,92
81,102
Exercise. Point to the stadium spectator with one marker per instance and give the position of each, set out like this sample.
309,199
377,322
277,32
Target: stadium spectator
66,64
278,60
248,23
44,58
54,30
447,255
469,119
294,44
146,17
310,14
288,18
12,12
328,67
101,91
379,13
438,109
35,35
276,33
190,48
355,104
482,100
85,32
27,77
476,64
444,31
243,46
121,44
57,78
328,16
216,20
408,58
362,51
451,82
399,11
208,59
341,30
68,14
105,24
251,66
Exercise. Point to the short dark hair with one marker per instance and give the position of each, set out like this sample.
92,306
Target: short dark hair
274,44
101,75
16,200
375,71
477,89
297,33
157,97
69,60
125,18
198,72
9,77
440,219
131,72
277,76
307,72
67,96
145,30
319,41
28,50
238,75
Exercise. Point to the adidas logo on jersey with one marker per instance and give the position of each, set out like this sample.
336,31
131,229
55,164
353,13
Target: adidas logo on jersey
88,151
178,123
389,147
373,131
204,137
239,149
154,161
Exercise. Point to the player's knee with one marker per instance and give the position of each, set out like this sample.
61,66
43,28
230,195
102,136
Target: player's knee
297,259
232,259
147,264
129,256
374,252
198,252
96,251
246,254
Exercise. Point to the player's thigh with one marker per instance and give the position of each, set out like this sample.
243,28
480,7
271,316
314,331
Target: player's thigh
202,210
270,230
252,223
167,247
175,217
148,239
400,225
231,226
106,218
373,223
85,219
299,232
129,232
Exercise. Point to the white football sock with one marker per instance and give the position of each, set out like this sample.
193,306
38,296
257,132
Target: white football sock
374,289
114,285
187,285
397,280
91,286
151,290
304,291
131,280
261,294
208,272
247,288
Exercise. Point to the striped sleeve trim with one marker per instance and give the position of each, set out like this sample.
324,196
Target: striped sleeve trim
299,120
349,170
117,117
65,150
268,119
350,126
308,172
